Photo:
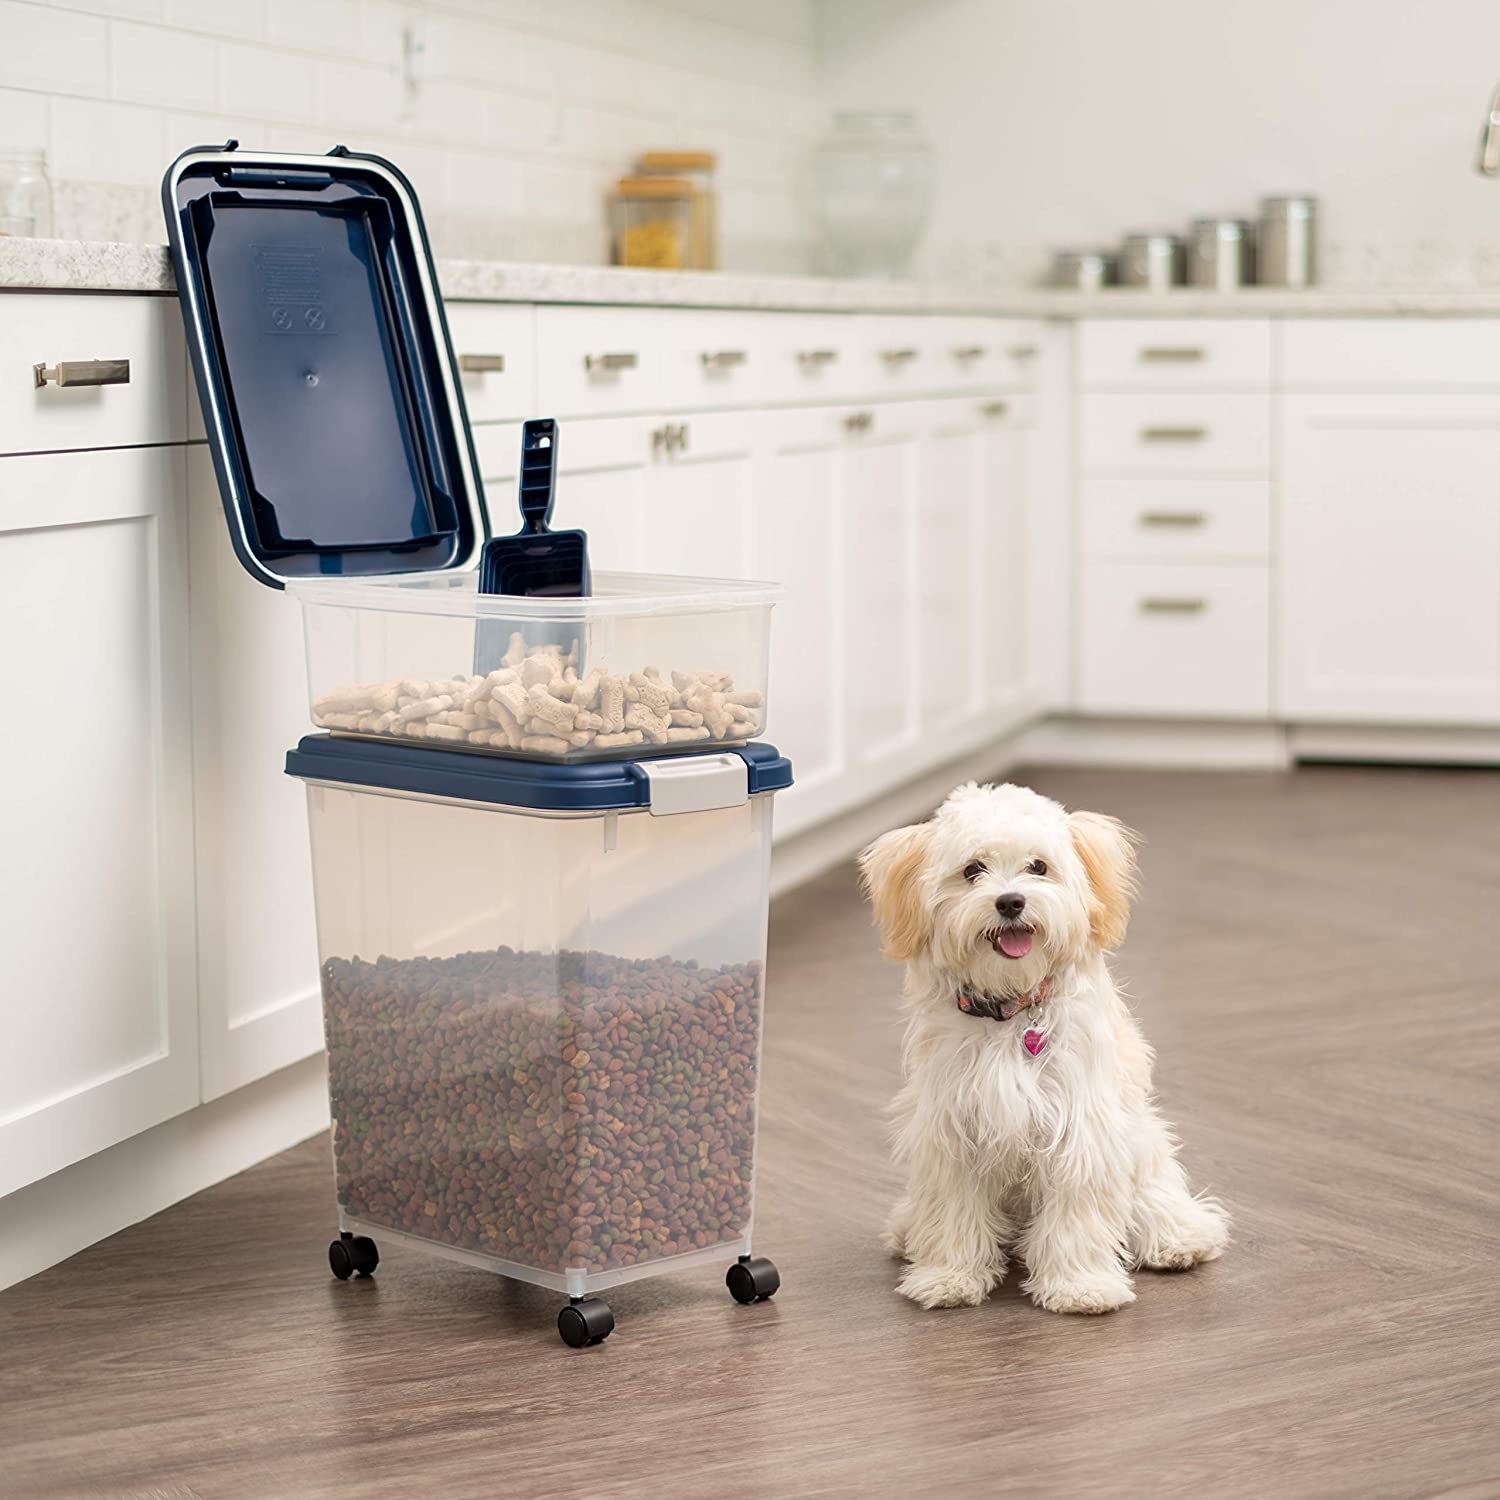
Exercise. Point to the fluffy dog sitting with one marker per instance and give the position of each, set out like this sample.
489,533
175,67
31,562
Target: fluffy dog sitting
1026,1121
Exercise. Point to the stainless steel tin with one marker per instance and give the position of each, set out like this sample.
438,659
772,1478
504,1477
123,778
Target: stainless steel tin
1155,261
1223,254
1084,270
1289,241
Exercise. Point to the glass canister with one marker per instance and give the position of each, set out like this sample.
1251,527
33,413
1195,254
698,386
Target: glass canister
875,181
651,222
25,194
696,167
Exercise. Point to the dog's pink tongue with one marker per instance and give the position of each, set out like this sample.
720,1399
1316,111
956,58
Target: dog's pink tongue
1015,942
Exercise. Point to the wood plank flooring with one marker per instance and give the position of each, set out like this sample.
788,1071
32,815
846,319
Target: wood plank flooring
1315,959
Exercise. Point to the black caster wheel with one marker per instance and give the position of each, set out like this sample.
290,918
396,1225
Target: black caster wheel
353,1253
752,1278
585,1321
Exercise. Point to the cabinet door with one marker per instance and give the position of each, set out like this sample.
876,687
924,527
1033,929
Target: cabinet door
799,544
603,469
1390,558
258,955
697,494
100,1030
1008,659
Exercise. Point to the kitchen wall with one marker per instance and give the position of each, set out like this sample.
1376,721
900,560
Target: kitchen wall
521,115
1070,121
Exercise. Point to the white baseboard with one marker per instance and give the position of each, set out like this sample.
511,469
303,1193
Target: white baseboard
49,1220
1454,746
815,850
1169,744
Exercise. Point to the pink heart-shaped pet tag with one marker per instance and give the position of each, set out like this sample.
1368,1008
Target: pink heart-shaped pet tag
1035,1041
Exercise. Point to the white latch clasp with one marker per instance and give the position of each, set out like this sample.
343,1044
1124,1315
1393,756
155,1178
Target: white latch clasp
696,783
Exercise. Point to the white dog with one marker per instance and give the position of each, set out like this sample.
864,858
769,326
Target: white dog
1026,1121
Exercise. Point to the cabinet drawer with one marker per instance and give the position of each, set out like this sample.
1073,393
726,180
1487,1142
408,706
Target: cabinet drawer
983,353
1178,354
812,356
1392,353
1175,638
601,361
714,358
1165,520
148,407
1165,434
496,350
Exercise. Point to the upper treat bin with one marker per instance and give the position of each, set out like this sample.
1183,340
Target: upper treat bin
336,421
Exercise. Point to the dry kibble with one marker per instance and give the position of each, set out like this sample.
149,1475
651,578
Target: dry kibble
556,1110
538,704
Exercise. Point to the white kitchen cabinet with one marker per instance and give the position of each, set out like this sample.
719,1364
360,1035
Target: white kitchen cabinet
698,497
1009,486
96,887
1389,553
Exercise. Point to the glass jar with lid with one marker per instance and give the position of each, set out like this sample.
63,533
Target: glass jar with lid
651,223
25,194
696,167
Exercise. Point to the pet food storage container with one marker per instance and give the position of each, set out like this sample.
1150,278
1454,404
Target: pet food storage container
542,997
336,422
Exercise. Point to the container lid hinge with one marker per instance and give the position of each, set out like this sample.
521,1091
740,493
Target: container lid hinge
695,783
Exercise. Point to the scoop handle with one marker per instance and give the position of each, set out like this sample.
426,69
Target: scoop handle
538,473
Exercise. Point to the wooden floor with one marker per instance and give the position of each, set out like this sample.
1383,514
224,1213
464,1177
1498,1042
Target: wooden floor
1316,959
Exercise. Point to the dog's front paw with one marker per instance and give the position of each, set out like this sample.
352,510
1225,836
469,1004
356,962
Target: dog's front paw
1197,1233
1091,1292
944,1286
894,1240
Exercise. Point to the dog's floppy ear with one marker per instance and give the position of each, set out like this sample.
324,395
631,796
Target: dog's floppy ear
889,869
1106,848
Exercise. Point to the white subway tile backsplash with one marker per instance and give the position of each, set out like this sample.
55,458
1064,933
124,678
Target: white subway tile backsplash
140,57
354,95
106,142
241,18
23,120
262,83
52,50
329,27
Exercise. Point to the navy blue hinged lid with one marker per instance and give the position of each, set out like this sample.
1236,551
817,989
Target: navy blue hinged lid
329,389
542,786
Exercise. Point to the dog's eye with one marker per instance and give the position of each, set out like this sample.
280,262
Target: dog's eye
1037,867
974,869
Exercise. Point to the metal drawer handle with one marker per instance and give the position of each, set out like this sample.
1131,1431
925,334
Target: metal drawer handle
1173,434
809,358
897,356
1167,606
1172,518
970,351
592,362
722,359
860,421
482,364
673,438
1023,351
994,408
1172,354
83,372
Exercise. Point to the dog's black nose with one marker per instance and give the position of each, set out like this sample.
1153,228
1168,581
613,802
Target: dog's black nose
1010,905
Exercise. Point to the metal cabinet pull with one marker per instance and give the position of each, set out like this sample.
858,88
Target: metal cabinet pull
1172,518
83,372
1168,606
592,362
681,436
722,359
860,421
1023,351
811,358
669,439
482,364
970,351
1172,354
994,408
897,356
1173,434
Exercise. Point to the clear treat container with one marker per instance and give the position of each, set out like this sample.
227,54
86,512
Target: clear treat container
542,992
645,665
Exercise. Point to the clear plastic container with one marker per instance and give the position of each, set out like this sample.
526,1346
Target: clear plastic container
544,1027
645,665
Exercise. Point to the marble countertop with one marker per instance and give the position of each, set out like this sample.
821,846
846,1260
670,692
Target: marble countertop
84,266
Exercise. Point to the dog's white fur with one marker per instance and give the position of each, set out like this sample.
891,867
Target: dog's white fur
1061,1158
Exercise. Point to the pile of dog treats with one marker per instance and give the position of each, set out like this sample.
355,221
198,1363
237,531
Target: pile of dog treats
556,1110
536,701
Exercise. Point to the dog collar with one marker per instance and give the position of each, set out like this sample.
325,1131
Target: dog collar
1003,1007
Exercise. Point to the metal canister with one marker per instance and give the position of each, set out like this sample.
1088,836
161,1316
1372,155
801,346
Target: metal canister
1289,240
1154,261
1223,255
1084,270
